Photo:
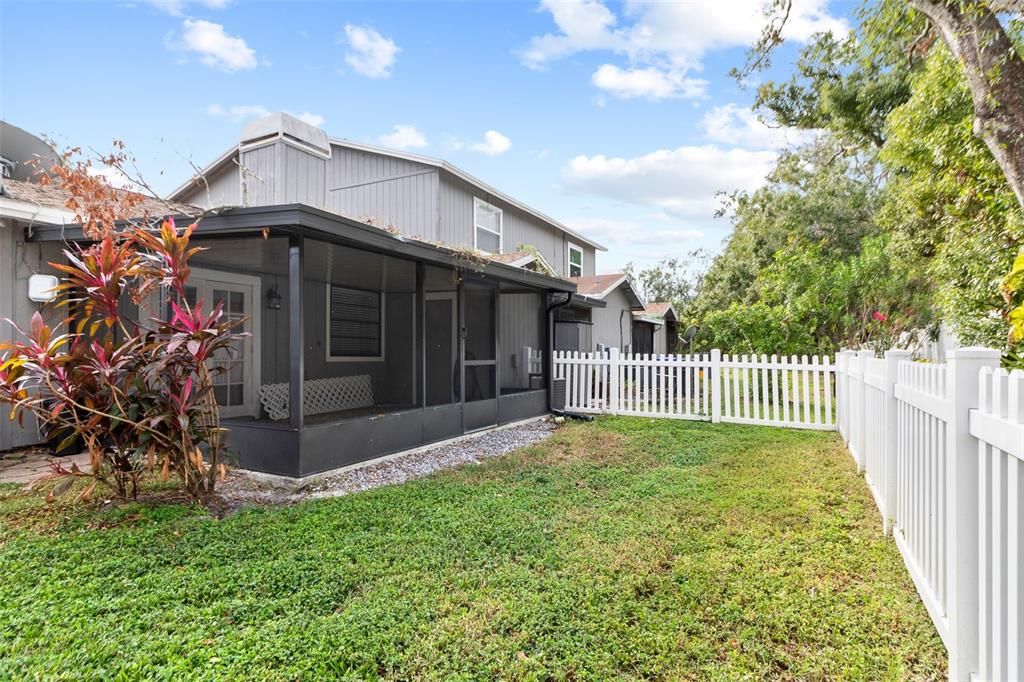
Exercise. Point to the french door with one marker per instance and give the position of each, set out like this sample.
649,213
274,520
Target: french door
236,371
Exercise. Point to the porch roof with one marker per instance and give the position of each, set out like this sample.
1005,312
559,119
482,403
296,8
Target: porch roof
319,224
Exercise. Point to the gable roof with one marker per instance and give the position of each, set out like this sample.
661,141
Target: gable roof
599,286
661,309
522,259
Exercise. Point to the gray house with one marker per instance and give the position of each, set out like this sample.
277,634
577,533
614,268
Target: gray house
393,300
600,316
656,329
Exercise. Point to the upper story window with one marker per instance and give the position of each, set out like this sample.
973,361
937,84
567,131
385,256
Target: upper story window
575,261
487,221
355,321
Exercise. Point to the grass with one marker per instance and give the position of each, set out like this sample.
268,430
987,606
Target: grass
626,548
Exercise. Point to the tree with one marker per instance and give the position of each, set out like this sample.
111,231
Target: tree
671,280
994,69
894,38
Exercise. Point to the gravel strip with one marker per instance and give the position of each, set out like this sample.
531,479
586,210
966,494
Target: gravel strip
241,488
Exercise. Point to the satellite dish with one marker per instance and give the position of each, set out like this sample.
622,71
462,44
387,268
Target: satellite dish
688,335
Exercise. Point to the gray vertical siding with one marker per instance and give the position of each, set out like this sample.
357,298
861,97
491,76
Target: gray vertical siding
519,324
224,190
416,199
17,262
393,192
613,324
305,178
259,179
519,227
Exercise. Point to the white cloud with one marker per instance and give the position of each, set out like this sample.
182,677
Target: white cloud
216,48
665,41
404,136
243,112
370,54
238,112
115,178
681,182
494,144
649,83
177,7
735,125
632,233
584,25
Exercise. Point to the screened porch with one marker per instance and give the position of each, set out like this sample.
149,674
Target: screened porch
393,351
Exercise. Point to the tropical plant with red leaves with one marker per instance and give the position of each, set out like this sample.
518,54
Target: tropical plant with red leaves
136,393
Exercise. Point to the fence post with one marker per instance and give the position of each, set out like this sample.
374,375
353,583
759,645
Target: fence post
861,428
613,380
893,358
716,385
851,357
962,502
843,394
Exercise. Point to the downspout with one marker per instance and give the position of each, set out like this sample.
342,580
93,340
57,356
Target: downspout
622,345
551,347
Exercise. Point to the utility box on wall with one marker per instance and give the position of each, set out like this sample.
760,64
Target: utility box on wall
42,288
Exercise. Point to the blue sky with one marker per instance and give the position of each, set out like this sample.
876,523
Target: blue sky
618,119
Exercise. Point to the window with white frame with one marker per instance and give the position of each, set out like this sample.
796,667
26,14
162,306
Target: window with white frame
487,226
355,324
575,261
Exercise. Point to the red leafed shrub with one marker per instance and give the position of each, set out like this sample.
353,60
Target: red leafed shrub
136,393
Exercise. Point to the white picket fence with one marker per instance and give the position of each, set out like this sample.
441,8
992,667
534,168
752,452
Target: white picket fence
793,392
940,447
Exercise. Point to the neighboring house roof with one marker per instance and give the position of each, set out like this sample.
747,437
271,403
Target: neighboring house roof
599,286
230,156
661,309
523,259
53,199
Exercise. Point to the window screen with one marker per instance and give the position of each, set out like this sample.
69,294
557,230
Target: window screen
354,323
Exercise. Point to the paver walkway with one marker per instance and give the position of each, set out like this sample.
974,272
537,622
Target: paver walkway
30,464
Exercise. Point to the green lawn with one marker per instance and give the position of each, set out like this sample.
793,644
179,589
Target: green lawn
625,548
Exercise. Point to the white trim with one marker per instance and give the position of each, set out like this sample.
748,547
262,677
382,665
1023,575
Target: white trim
568,259
26,210
327,330
477,203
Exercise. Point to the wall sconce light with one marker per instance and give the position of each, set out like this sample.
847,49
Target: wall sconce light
273,298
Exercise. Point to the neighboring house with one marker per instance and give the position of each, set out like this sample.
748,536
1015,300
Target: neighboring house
375,325
601,315
656,329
